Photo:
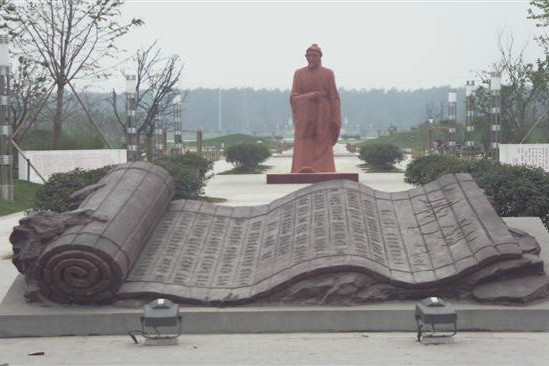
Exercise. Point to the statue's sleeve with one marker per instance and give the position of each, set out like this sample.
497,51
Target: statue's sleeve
335,104
295,91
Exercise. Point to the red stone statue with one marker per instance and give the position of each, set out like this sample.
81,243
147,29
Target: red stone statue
316,114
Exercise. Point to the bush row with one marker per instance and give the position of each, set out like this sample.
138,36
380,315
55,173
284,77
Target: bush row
190,172
513,190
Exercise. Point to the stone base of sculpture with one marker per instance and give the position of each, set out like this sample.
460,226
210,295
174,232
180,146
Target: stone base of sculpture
331,243
301,178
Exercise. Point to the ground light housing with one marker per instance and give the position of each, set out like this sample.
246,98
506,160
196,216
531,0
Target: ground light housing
432,312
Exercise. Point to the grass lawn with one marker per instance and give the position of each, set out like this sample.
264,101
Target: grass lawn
240,138
24,198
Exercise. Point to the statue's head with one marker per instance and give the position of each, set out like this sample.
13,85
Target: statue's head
313,56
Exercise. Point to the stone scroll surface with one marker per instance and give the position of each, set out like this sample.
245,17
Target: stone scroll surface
88,262
427,236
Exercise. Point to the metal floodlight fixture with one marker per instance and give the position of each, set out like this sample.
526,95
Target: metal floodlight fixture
495,81
160,323
469,88
131,84
432,312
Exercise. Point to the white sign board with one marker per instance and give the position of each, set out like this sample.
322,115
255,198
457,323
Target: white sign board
525,154
62,161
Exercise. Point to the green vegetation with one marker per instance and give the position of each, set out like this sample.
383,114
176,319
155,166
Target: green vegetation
240,138
513,190
260,169
418,138
190,172
73,140
381,156
247,157
55,194
24,194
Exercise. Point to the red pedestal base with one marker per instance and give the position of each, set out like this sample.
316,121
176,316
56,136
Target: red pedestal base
297,178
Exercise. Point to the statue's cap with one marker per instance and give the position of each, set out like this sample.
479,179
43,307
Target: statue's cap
314,47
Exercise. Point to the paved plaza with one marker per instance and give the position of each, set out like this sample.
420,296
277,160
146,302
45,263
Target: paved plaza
479,348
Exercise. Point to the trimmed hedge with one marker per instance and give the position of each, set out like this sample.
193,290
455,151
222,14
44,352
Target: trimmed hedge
247,157
54,194
513,190
190,172
381,156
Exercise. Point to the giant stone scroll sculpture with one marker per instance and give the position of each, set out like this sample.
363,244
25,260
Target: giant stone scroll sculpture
331,242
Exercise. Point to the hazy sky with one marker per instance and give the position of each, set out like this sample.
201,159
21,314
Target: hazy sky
369,44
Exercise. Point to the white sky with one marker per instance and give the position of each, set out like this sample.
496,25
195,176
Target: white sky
368,44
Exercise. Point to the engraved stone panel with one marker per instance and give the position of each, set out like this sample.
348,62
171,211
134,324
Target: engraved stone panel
415,238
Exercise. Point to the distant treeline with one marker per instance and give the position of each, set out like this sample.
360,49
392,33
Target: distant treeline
267,110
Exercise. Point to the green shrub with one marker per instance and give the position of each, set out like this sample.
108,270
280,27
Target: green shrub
197,161
513,190
55,194
190,172
77,140
247,157
381,156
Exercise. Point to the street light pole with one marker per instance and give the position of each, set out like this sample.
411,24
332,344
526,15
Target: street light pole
495,113
6,155
131,130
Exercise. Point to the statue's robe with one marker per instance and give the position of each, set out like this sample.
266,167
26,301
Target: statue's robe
316,123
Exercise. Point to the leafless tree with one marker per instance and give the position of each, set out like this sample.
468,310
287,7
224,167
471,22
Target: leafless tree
524,88
68,37
30,91
157,78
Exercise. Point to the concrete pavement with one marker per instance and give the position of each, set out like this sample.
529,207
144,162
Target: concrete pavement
472,349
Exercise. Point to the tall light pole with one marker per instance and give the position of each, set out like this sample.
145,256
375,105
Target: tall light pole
452,117
131,130
470,114
158,129
495,113
177,127
6,156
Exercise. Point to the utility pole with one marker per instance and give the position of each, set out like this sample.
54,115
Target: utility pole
495,113
177,127
219,117
452,117
131,130
470,114
158,131
6,155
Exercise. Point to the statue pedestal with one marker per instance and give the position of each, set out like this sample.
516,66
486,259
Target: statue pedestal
300,178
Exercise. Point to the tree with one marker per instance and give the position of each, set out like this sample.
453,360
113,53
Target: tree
68,38
524,88
29,94
156,78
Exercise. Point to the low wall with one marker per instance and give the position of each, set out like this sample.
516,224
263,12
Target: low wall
60,161
525,154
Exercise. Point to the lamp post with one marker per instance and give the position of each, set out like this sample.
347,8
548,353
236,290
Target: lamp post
158,130
6,157
470,114
495,113
178,139
452,116
131,130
